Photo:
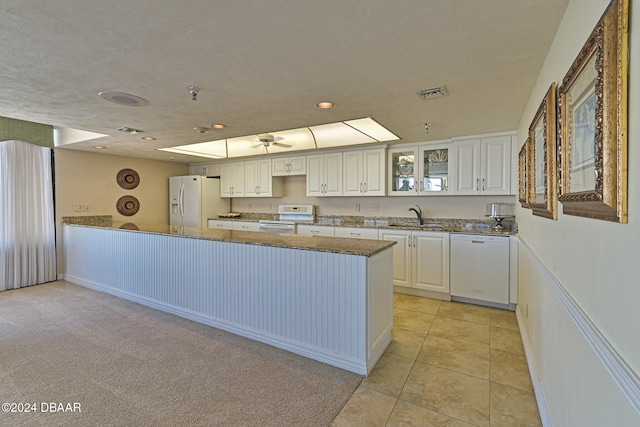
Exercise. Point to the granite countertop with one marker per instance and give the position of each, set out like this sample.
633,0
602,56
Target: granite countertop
445,224
359,247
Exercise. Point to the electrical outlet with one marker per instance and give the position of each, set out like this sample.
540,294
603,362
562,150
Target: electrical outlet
270,207
86,207
375,207
250,205
77,207
357,206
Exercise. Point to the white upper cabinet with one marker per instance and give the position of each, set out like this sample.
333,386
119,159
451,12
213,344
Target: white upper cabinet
483,165
232,179
324,175
364,172
421,170
258,181
210,169
284,166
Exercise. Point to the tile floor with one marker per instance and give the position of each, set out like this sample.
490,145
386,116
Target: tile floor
449,364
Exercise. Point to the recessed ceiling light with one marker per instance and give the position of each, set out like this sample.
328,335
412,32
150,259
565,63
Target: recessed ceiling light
99,147
148,138
218,126
325,104
123,98
132,131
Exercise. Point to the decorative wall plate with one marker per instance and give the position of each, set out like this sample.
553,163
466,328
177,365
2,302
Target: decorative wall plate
128,179
127,205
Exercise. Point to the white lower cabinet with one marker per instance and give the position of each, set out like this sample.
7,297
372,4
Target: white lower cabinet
420,259
246,226
220,225
316,230
357,233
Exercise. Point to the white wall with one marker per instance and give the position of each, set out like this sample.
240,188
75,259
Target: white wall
583,264
90,178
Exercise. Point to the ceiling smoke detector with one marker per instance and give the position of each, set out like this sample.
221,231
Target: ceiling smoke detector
432,92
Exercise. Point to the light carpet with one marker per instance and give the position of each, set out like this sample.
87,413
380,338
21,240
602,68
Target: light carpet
125,364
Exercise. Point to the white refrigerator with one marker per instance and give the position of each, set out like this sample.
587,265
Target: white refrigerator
193,199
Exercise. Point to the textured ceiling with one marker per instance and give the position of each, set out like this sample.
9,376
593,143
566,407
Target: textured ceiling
262,65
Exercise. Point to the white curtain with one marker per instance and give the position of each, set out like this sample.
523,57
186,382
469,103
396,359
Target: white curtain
27,223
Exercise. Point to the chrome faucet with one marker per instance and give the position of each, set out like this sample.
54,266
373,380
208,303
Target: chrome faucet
418,213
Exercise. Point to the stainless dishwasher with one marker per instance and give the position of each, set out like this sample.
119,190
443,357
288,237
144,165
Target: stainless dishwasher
480,269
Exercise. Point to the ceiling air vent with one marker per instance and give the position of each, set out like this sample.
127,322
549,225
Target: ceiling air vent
432,92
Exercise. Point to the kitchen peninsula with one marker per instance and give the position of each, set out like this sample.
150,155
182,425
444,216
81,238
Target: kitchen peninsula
329,299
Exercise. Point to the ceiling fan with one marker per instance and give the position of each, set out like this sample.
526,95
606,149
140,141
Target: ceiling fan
266,139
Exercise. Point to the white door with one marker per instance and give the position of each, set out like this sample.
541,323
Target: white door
251,178
373,162
496,165
431,261
401,255
175,208
468,167
333,174
315,175
191,200
352,173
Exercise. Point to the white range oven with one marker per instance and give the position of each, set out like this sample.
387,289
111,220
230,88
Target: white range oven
288,217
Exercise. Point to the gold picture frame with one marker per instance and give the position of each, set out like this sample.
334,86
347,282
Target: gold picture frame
523,174
543,152
593,122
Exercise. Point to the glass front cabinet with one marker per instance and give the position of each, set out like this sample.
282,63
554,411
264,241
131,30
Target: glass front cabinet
420,170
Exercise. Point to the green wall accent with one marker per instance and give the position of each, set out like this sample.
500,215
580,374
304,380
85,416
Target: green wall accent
35,133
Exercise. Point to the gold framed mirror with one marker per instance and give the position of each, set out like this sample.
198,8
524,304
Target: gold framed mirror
523,177
593,122
543,150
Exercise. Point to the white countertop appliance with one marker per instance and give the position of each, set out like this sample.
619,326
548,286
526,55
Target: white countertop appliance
288,217
193,199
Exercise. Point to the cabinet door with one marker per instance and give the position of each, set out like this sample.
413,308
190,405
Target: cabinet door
431,261
467,167
435,171
251,178
280,166
297,165
401,255
374,172
315,175
264,179
403,172
333,174
352,173
226,180
237,188
496,165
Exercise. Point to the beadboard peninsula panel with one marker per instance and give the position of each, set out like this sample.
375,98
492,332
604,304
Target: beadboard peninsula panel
317,304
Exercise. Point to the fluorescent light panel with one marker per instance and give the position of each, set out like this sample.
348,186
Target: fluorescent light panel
340,134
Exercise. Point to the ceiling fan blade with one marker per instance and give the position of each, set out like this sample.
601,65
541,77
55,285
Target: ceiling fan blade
282,144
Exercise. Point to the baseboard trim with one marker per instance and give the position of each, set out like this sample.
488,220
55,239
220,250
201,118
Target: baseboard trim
623,375
543,409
